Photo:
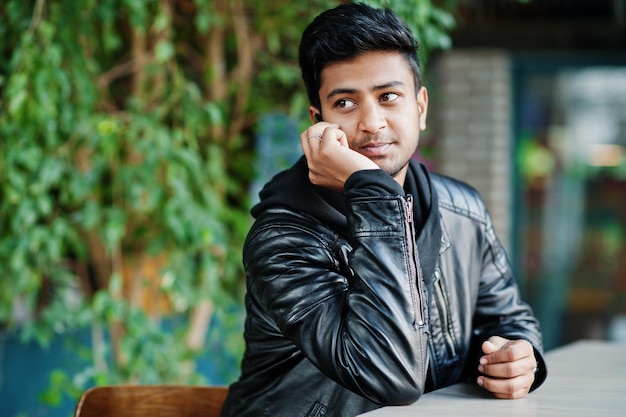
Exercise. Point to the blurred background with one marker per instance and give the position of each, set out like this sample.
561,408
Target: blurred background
135,135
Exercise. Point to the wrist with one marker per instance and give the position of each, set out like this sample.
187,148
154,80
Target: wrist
371,182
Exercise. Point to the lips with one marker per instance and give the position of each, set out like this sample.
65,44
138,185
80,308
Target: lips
375,149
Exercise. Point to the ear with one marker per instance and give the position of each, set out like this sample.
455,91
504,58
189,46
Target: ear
422,106
315,115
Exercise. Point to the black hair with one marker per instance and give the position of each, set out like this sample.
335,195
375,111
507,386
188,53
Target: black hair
345,32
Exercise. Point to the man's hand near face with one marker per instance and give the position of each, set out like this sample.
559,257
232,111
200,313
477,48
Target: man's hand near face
507,367
330,159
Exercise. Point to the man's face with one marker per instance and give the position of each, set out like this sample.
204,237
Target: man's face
373,100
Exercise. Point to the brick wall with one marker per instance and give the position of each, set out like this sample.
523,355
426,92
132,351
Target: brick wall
470,122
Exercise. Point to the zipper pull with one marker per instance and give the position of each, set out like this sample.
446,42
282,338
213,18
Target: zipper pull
409,208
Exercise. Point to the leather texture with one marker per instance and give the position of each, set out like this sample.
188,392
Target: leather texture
341,319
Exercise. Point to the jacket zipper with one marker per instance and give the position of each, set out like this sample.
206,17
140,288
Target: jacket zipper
413,264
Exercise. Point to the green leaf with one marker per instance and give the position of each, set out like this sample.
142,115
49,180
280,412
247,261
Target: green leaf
114,227
213,110
164,51
16,102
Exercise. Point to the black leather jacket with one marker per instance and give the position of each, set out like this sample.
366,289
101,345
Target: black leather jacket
341,318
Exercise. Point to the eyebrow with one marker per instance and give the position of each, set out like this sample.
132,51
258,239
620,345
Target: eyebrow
339,91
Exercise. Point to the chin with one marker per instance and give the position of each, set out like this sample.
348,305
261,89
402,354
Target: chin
395,169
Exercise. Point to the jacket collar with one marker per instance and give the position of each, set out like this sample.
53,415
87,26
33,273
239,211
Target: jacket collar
292,189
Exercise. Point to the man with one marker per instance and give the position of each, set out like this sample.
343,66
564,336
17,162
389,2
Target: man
371,281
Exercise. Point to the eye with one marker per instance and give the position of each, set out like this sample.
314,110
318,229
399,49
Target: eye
389,97
344,104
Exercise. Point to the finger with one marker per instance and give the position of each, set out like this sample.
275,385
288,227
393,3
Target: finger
309,137
507,388
318,129
342,138
313,135
305,145
509,352
521,367
494,343
489,347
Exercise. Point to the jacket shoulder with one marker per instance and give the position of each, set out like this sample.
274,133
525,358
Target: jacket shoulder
459,197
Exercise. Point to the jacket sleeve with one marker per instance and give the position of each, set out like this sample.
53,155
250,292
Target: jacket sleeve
362,327
500,310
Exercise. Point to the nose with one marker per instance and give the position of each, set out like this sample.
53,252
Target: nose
372,118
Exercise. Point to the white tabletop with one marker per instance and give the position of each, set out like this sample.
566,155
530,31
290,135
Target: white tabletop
586,378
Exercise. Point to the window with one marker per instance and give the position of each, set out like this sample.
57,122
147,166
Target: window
570,228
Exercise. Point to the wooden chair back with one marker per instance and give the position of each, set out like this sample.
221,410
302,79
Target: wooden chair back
151,401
